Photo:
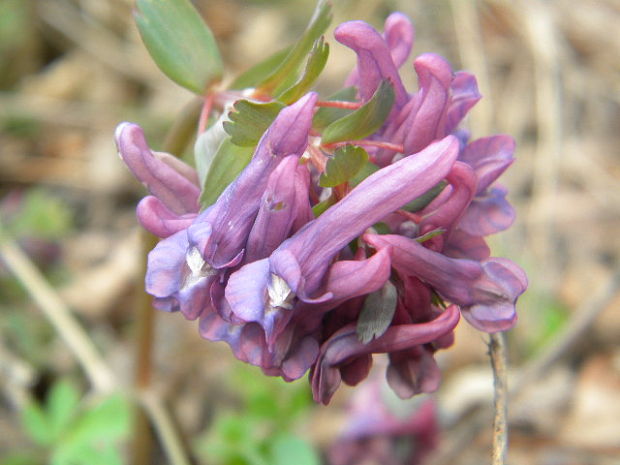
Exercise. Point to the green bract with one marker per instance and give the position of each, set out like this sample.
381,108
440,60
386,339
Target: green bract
346,163
314,66
228,162
363,121
377,313
280,79
249,120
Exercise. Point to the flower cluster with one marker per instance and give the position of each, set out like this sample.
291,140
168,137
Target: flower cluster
297,277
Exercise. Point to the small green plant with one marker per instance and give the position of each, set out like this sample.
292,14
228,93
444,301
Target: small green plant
68,430
260,432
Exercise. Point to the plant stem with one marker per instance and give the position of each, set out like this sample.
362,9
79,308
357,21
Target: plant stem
99,374
175,142
141,452
497,350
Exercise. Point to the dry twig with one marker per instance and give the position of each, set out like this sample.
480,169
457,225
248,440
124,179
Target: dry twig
95,367
497,352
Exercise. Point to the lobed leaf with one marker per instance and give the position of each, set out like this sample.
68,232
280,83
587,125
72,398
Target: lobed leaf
36,424
107,421
290,65
346,163
180,42
260,71
206,146
61,406
363,121
249,120
314,66
287,449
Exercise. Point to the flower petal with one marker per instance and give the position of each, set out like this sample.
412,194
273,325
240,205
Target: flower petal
374,61
344,346
412,372
277,212
156,218
425,123
399,35
489,157
491,287
176,191
488,214
383,192
465,94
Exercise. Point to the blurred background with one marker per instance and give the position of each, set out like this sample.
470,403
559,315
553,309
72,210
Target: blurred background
71,70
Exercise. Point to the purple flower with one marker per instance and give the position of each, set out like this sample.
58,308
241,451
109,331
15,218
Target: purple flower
174,185
486,291
289,292
182,268
220,233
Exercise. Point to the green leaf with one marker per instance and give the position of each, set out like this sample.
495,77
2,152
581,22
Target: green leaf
107,421
179,42
327,115
87,454
366,170
288,449
346,163
321,207
316,28
421,202
249,120
228,162
381,228
20,458
363,121
206,146
259,72
377,313
314,66
61,405
36,424
430,235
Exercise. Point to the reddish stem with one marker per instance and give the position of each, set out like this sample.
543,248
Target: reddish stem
206,111
380,144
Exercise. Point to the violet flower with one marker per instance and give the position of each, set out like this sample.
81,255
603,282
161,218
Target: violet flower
486,291
173,204
285,289
182,268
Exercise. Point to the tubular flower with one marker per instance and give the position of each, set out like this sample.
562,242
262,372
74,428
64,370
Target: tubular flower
305,265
